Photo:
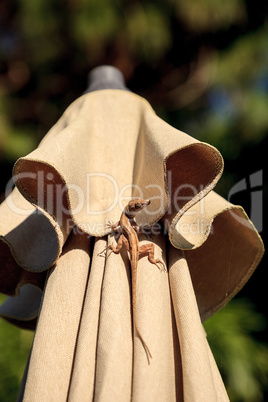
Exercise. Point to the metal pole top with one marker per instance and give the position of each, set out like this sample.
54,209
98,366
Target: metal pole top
105,77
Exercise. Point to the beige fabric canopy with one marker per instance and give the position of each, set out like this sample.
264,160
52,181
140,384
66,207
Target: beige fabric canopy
108,147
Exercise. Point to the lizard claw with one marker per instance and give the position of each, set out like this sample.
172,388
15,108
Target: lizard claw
100,254
161,266
109,225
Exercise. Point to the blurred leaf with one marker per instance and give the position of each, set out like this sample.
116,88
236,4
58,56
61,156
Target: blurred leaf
14,141
210,15
15,346
242,360
148,31
254,116
95,23
242,60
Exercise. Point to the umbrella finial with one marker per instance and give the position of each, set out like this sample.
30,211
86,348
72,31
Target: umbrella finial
105,77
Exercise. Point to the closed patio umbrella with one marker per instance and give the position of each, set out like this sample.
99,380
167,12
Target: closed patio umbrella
107,148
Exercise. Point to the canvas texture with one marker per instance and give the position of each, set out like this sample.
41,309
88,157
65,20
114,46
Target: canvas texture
109,147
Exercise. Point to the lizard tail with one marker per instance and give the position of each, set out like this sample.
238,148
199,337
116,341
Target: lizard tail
133,263
147,351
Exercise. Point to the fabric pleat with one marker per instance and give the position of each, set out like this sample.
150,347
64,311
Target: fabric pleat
201,378
55,339
90,353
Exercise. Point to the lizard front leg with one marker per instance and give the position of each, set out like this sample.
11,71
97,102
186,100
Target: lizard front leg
114,226
149,250
122,240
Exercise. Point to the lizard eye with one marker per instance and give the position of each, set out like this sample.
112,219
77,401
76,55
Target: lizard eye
137,206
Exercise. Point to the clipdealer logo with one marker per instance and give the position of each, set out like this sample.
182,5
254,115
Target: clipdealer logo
252,186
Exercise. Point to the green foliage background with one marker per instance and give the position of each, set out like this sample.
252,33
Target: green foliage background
204,68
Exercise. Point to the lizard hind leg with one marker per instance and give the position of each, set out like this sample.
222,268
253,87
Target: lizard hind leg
149,250
114,249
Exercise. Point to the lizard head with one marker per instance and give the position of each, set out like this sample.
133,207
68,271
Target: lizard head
135,206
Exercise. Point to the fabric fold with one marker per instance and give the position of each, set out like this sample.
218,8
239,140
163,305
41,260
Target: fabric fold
109,146
34,238
58,323
97,355
12,276
192,229
222,247
201,378
87,187
226,260
84,347
22,310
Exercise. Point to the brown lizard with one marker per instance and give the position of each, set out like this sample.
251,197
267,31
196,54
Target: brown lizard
128,229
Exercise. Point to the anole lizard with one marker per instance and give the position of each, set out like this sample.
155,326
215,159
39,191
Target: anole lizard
128,229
